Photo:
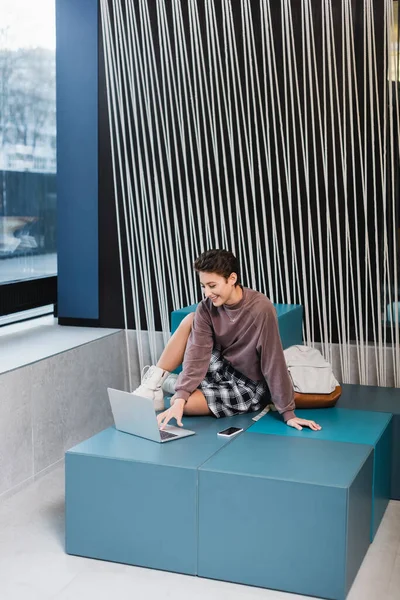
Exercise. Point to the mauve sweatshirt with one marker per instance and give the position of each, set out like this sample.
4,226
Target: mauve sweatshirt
251,344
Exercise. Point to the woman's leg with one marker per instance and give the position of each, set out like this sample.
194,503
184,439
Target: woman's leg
174,351
196,405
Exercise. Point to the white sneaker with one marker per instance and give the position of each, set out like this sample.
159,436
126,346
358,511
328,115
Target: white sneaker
169,384
152,380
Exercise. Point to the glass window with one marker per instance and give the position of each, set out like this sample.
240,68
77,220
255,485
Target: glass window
27,140
392,315
394,45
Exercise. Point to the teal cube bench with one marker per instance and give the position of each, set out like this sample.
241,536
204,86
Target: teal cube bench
285,513
378,399
120,489
344,425
290,319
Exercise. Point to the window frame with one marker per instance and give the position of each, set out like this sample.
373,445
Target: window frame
19,296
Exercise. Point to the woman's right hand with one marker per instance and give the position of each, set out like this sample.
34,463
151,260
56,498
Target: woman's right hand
174,412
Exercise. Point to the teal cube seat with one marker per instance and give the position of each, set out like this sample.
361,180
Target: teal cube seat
178,315
290,322
285,513
290,319
120,489
378,399
266,510
345,425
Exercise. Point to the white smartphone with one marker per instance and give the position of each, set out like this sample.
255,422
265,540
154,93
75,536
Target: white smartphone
230,431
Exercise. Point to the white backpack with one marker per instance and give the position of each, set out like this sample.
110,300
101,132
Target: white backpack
309,371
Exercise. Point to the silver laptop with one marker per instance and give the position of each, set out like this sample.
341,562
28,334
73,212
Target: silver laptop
136,415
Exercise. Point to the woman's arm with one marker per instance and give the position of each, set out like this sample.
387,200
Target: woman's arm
273,364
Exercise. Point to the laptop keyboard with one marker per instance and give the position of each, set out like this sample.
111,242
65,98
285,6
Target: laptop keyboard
166,435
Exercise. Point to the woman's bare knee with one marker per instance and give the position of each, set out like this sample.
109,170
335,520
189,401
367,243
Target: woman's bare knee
196,405
187,321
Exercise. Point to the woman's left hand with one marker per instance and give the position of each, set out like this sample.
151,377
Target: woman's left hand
298,423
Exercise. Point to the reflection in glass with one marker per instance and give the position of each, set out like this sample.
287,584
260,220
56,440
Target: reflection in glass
27,139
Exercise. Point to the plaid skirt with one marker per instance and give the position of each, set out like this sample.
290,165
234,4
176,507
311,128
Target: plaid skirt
229,392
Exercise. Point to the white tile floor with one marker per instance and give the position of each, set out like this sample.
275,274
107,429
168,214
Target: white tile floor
34,566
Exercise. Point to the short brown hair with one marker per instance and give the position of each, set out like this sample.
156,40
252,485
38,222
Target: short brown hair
221,262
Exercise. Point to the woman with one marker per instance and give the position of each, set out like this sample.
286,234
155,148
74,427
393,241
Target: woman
231,351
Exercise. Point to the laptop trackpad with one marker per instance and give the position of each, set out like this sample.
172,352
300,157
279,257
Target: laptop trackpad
166,435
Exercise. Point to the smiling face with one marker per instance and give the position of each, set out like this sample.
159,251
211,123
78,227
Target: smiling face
219,289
